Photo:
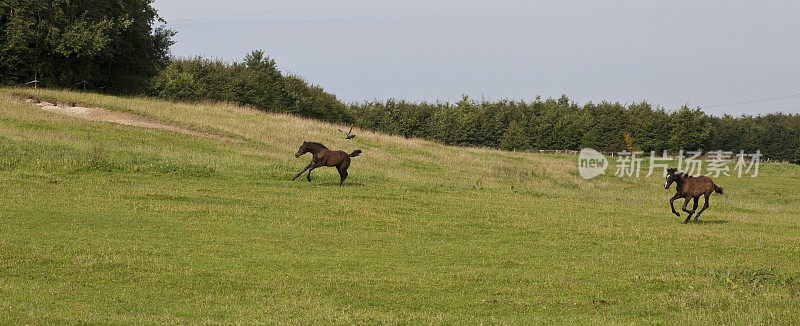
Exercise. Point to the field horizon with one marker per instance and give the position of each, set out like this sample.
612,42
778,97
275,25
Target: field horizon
118,224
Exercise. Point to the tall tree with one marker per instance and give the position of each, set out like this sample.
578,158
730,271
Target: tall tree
690,129
109,45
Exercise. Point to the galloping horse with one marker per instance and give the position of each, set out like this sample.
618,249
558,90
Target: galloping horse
322,156
689,187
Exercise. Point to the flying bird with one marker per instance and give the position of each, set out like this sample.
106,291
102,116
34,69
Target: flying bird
349,134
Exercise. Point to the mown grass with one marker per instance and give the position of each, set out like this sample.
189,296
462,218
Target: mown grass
104,223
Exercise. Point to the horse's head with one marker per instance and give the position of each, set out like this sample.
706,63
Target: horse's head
670,177
302,150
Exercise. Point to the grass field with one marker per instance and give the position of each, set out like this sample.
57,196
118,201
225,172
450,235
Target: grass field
105,223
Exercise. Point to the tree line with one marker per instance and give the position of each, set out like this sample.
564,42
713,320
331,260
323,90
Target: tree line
122,47
565,125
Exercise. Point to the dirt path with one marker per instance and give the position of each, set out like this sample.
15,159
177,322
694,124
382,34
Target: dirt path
105,115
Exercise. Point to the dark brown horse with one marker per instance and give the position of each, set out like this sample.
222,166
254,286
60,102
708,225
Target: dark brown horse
322,156
689,187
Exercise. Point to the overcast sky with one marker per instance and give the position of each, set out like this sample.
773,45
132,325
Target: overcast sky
725,56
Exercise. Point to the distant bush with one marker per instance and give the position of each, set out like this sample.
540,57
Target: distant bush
256,82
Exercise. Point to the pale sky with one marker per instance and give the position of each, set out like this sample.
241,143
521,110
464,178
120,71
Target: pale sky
725,56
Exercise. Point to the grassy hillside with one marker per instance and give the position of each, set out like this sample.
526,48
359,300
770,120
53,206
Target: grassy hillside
105,223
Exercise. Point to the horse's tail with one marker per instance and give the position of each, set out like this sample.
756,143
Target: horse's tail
718,189
355,153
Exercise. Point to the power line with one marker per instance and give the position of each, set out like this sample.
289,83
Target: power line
700,86
768,99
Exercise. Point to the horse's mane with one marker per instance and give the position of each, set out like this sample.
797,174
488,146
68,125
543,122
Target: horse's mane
316,144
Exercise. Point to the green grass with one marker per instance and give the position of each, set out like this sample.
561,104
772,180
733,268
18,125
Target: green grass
104,223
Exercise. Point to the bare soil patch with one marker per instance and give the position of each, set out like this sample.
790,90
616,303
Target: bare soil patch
106,115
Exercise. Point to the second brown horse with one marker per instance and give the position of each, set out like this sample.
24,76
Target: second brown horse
322,156
689,187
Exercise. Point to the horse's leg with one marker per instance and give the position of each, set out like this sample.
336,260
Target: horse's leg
342,174
686,202
343,170
694,207
705,205
309,172
673,206
314,165
304,170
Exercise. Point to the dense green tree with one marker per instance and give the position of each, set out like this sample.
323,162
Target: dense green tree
514,138
312,101
690,130
111,46
649,128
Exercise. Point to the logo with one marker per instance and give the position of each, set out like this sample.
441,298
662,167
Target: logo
591,163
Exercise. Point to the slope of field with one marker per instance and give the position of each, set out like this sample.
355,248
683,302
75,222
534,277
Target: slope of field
108,223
